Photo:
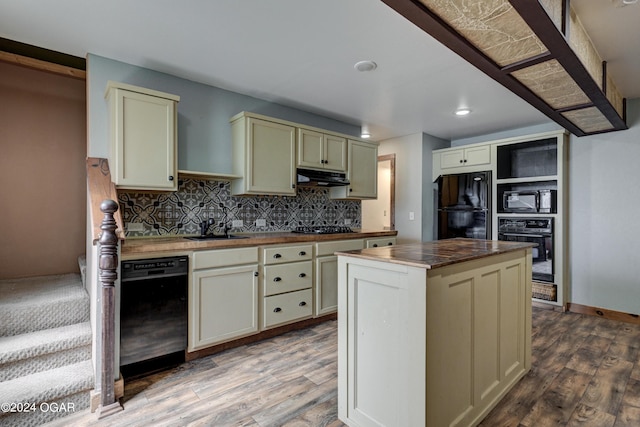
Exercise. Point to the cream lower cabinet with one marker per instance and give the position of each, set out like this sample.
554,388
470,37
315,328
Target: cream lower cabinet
143,132
419,347
287,286
380,242
264,154
326,295
223,296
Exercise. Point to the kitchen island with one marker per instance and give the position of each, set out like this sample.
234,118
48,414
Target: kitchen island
431,334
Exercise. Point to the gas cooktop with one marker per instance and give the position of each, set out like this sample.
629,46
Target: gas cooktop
322,229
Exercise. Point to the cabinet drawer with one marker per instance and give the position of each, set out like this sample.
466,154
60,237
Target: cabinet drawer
280,254
287,277
376,243
285,308
224,257
329,248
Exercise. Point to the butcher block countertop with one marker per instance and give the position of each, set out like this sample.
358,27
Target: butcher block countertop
439,253
141,246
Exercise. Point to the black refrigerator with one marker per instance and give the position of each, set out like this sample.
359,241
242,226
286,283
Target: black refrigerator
464,206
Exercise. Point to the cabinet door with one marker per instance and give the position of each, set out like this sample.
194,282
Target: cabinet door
143,147
224,305
270,158
477,155
310,148
326,285
363,170
452,159
335,155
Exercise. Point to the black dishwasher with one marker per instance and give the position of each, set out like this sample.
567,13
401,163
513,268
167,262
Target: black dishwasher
153,314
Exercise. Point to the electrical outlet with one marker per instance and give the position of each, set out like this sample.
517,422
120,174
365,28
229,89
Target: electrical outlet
135,226
261,222
412,216
347,222
237,223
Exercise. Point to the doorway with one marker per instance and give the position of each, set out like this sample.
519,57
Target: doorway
379,214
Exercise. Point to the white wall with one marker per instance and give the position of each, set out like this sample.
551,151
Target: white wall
604,229
376,212
413,184
604,201
408,150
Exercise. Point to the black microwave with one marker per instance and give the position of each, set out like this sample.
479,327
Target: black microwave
535,201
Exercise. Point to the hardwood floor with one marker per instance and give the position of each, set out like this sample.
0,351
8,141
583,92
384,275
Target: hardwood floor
586,372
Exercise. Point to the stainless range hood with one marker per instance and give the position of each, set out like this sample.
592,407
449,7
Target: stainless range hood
318,178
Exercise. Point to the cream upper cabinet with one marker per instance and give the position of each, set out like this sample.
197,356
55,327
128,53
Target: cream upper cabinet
143,133
321,151
362,172
264,155
472,156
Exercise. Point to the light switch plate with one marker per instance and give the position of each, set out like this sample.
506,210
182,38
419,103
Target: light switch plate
261,222
237,223
347,222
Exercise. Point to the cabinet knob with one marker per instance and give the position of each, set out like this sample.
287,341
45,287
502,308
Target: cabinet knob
293,186
461,160
170,177
375,245
302,275
277,279
350,190
255,274
465,160
277,310
302,253
389,244
276,256
302,303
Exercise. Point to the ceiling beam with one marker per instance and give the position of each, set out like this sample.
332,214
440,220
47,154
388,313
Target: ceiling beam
537,18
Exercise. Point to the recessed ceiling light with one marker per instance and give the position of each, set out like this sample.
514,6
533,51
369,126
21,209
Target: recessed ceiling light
462,111
365,135
629,1
365,66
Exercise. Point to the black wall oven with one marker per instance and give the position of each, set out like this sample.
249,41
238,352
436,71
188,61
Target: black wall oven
532,230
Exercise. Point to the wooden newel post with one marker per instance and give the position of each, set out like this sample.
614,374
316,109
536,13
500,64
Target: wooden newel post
108,265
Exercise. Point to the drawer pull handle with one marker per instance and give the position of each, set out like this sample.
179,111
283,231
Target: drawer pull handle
302,275
375,245
277,279
255,274
277,256
302,304
277,310
389,244
302,253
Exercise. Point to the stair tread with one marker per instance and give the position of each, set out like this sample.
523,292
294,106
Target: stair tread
47,385
41,289
33,344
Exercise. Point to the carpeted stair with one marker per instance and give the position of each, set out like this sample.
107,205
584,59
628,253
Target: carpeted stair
45,349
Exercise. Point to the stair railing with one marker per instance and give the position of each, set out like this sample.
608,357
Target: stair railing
108,265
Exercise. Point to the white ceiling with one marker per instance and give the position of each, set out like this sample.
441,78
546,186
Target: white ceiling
301,53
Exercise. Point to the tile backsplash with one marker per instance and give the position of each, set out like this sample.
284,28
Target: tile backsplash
181,212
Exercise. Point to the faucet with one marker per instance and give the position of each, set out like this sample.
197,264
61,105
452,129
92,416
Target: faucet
204,226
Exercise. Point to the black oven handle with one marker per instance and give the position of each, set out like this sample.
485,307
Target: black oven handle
539,236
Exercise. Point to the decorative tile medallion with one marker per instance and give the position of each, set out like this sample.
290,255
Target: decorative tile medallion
181,212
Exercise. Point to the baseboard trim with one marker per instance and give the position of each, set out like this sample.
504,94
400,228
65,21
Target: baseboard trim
258,337
604,313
